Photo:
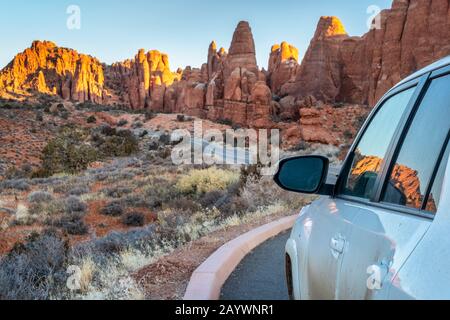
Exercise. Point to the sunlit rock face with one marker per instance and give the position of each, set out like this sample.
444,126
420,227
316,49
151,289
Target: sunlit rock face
144,79
283,66
230,87
48,69
320,72
237,91
242,53
404,180
336,67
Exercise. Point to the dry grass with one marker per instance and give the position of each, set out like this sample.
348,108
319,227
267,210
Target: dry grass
203,181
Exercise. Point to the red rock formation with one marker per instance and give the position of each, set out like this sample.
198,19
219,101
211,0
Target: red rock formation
237,90
336,67
242,53
215,59
144,79
46,68
283,66
329,125
320,71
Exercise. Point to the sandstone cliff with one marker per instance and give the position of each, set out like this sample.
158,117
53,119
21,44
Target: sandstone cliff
283,66
143,80
46,68
230,87
337,67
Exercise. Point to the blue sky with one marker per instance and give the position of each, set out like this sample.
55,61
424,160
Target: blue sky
114,30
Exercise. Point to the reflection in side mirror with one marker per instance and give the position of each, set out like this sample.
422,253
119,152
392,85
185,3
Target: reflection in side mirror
303,174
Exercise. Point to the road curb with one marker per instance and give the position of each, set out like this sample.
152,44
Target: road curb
207,281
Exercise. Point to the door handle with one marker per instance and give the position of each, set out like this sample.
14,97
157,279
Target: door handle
337,245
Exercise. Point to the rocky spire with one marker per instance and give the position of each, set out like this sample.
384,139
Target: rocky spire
242,51
329,26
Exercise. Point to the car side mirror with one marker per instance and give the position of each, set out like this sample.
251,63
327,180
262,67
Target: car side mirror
306,174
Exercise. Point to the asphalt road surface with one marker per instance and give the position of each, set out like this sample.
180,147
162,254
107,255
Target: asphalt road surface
261,275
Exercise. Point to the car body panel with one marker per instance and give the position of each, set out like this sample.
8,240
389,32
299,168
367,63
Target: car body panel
324,220
380,242
426,274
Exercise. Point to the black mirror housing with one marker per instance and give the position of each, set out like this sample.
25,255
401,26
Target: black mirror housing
305,174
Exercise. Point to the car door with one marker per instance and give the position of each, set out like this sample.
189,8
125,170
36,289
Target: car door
389,226
328,224
321,247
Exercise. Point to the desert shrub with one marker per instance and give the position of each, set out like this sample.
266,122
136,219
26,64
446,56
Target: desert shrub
137,125
20,185
65,115
199,182
73,224
91,119
35,270
108,131
22,215
63,187
122,123
46,209
68,152
181,118
234,206
165,139
249,172
75,205
153,146
117,192
122,144
134,219
301,146
114,209
264,192
39,116
159,192
78,191
15,173
135,200
184,204
210,199
143,134
40,196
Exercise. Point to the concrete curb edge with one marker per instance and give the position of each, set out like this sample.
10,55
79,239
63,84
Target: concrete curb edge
207,280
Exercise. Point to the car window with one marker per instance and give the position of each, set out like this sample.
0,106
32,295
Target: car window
413,170
435,194
373,146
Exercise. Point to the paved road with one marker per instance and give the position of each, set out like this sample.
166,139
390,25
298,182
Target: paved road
260,276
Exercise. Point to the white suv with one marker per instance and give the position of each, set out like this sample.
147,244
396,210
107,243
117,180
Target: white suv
382,231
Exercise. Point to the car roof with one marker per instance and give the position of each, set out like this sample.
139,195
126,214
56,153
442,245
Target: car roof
434,66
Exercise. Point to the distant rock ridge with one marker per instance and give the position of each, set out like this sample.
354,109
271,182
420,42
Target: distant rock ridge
230,87
336,67
46,68
142,80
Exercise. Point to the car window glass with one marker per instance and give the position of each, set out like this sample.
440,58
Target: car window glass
373,146
412,172
435,194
